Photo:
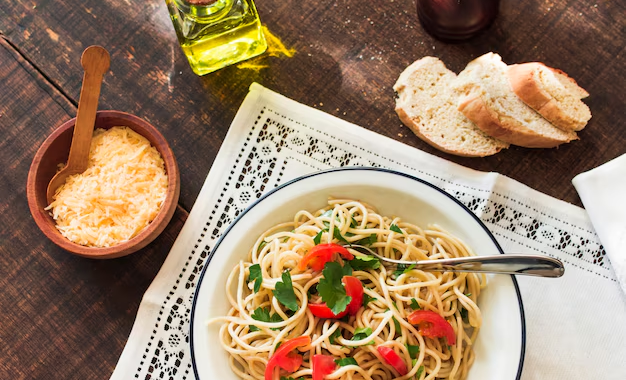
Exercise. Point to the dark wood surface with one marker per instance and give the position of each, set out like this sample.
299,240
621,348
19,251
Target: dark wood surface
63,316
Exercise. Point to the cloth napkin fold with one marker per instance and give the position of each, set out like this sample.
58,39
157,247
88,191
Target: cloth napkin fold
603,193
574,324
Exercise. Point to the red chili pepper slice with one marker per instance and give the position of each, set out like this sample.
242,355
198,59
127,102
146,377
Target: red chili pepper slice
393,359
354,289
432,325
323,365
284,358
319,255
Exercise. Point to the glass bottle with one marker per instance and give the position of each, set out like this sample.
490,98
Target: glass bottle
456,20
217,33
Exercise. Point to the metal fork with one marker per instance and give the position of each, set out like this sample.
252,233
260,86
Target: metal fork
529,265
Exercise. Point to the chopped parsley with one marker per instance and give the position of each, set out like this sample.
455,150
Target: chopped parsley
396,324
318,238
403,268
263,244
256,276
413,350
284,292
365,262
419,372
414,304
395,228
373,238
331,289
362,333
367,299
464,315
337,235
333,337
346,361
263,315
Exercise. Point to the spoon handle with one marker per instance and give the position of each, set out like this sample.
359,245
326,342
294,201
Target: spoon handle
95,61
530,265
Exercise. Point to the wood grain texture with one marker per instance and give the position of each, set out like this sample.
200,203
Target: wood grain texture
62,316
73,314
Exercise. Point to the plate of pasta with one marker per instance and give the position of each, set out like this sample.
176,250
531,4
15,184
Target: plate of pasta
289,293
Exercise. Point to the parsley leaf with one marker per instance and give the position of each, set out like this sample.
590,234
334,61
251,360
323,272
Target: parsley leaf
353,222
367,299
365,262
396,324
468,294
256,276
284,292
414,304
464,315
403,268
362,333
420,370
331,289
263,315
286,378
333,337
373,238
318,238
263,244
346,361
337,235
395,228
413,350
346,268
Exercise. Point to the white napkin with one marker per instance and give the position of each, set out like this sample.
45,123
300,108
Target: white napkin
603,191
574,324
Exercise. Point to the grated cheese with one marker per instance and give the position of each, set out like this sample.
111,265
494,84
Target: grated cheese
118,195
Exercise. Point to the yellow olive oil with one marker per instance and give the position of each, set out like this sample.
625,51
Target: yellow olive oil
217,33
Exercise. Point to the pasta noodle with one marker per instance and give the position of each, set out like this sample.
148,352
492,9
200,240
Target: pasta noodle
259,320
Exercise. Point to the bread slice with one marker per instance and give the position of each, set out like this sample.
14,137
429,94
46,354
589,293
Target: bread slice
492,105
552,93
427,104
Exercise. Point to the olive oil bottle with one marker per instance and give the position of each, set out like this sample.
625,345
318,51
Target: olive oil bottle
217,33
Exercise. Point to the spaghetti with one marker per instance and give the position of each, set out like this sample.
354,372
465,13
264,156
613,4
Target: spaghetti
297,313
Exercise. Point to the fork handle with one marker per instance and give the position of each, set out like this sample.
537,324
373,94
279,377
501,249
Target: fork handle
531,265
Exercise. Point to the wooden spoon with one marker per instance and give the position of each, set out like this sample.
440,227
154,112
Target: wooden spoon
95,61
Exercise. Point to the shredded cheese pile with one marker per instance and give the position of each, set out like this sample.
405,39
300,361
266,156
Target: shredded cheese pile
118,195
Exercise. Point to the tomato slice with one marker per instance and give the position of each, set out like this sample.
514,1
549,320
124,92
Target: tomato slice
393,359
319,255
354,289
284,358
323,365
320,310
432,325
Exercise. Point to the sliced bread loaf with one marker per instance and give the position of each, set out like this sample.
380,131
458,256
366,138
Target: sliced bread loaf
552,93
427,104
491,104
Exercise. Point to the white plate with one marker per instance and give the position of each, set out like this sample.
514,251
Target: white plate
501,342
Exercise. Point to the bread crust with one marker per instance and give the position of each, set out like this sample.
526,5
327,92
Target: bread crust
499,126
526,85
404,87
409,122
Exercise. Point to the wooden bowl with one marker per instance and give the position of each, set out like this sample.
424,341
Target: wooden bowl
55,150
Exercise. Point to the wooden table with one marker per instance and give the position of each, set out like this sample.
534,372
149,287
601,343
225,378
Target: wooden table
67,317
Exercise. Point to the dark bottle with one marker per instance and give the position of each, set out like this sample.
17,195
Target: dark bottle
456,20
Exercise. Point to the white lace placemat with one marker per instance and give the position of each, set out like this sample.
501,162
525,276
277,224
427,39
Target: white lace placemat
576,325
